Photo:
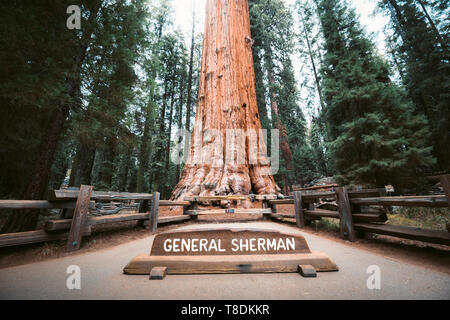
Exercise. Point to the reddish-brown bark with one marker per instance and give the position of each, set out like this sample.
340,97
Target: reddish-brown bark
227,101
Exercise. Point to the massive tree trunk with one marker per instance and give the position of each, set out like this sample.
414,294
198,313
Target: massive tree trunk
219,164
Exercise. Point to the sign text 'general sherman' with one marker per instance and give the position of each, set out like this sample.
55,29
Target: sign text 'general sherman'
227,242
216,245
206,250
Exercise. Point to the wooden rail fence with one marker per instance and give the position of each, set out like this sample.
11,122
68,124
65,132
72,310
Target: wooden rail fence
359,212
353,219
80,224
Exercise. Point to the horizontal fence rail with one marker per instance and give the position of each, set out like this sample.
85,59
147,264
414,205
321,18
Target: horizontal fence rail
80,224
437,201
368,220
38,204
358,211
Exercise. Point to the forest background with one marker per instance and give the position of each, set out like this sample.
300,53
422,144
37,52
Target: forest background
99,105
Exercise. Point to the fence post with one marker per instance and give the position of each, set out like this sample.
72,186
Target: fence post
266,205
345,214
194,206
273,207
79,218
153,214
299,211
445,182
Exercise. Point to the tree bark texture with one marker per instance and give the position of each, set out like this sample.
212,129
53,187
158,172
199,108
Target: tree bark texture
227,110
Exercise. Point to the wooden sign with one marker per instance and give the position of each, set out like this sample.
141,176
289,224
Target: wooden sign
235,250
227,242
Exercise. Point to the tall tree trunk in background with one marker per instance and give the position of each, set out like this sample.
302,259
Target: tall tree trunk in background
125,169
26,220
313,63
433,26
217,164
146,142
107,167
82,165
191,67
144,151
189,93
180,122
169,134
397,16
418,89
159,153
278,123
397,64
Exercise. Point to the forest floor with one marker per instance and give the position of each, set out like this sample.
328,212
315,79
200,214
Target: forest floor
432,256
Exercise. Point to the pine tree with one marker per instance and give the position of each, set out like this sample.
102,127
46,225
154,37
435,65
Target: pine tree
375,138
151,65
111,60
172,56
39,77
420,46
77,84
310,50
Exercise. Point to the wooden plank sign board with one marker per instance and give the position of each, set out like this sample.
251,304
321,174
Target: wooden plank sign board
228,250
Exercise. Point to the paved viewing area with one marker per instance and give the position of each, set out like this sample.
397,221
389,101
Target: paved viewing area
102,276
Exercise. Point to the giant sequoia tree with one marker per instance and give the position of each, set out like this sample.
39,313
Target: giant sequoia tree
223,159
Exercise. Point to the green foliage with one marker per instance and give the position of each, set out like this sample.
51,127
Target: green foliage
419,47
122,80
33,68
271,28
375,139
